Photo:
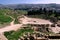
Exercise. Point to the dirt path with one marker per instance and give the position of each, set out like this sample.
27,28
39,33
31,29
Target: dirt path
12,27
12,23
2,37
